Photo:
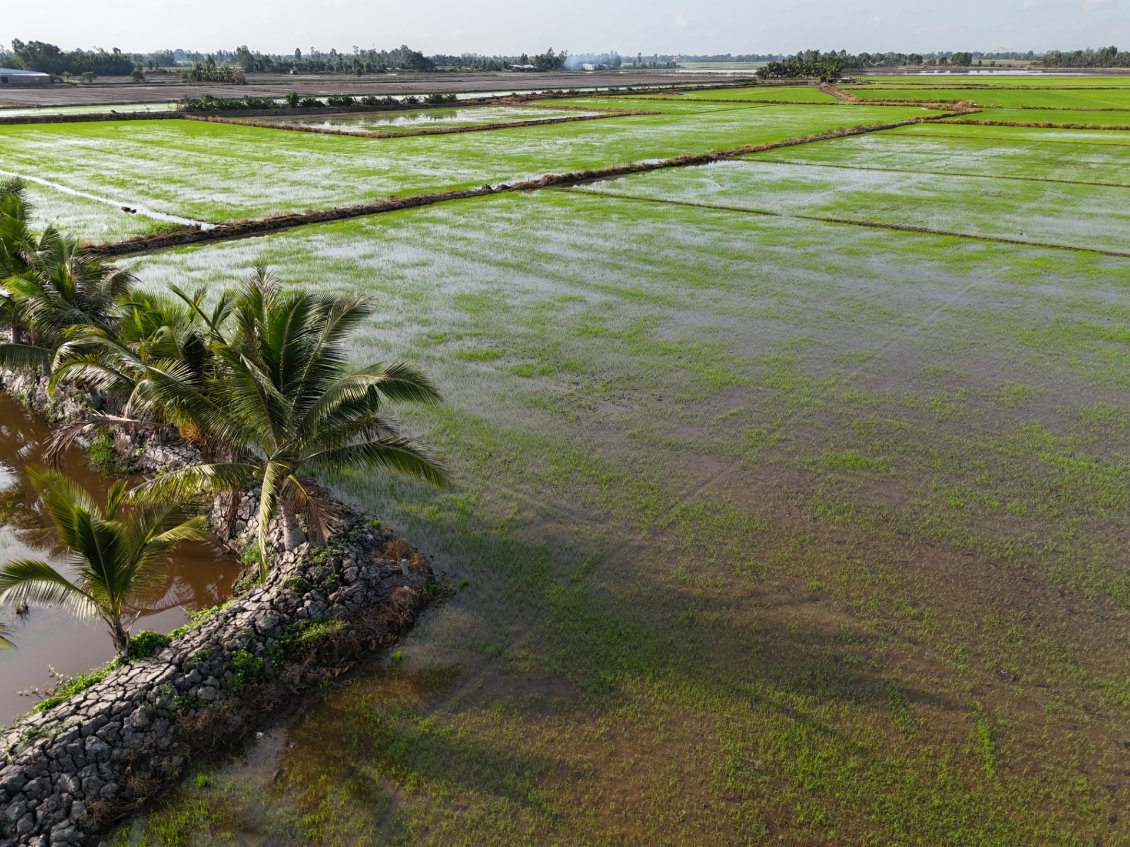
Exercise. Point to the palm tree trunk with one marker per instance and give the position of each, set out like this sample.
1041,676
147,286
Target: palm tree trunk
120,636
234,498
293,536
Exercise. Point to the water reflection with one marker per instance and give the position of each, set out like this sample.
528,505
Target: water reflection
200,575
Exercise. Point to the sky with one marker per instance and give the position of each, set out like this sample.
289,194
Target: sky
629,26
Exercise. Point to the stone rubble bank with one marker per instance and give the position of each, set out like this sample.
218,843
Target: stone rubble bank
69,772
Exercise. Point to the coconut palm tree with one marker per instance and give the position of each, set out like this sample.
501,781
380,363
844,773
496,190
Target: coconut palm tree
149,330
16,245
47,284
282,401
119,554
66,287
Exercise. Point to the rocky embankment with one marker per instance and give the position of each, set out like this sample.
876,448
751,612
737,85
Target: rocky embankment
70,771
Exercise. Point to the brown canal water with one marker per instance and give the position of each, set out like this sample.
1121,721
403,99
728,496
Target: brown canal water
51,641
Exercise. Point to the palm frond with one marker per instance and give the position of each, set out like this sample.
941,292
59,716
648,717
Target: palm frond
63,499
24,357
395,453
186,483
34,581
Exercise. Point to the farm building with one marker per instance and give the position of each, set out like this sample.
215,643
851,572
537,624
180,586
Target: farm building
11,76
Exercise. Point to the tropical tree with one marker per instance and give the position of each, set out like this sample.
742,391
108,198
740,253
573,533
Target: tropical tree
4,642
281,401
16,245
63,287
149,330
119,554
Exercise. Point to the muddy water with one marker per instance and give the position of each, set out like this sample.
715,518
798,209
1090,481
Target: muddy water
52,640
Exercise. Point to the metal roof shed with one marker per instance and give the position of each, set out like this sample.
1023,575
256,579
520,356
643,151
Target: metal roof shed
16,77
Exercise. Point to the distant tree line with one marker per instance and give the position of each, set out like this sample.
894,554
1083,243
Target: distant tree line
357,61
209,71
1104,57
809,64
229,65
547,61
50,59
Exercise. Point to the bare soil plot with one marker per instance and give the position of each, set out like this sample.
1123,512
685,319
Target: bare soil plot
163,87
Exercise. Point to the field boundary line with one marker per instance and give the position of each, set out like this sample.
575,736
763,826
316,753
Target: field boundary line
278,223
1042,125
89,117
839,94
940,86
1125,108
908,228
943,173
933,135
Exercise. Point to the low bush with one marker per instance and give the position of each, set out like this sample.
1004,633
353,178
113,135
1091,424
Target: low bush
146,644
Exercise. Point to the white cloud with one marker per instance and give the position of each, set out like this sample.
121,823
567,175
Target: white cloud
681,22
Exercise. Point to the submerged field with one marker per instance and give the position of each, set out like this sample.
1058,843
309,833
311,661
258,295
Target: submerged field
409,121
765,527
1075,98
218,172
800,510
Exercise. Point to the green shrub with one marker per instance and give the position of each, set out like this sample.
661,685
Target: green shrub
247,670
101,453
251,555
146,644
196,618
306,636
70,687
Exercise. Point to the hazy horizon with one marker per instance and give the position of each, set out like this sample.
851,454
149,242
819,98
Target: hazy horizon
492,27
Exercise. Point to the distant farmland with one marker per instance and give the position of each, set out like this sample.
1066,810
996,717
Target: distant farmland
791,490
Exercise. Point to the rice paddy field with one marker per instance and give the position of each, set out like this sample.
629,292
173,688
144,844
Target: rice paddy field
791,492
217,172
1066,98
1113,118
766,92
410,121
999,80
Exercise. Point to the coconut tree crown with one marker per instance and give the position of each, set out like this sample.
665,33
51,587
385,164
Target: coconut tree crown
118,553
281,399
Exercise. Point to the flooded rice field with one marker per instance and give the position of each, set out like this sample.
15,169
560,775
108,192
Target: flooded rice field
51,641
769,521
416,119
